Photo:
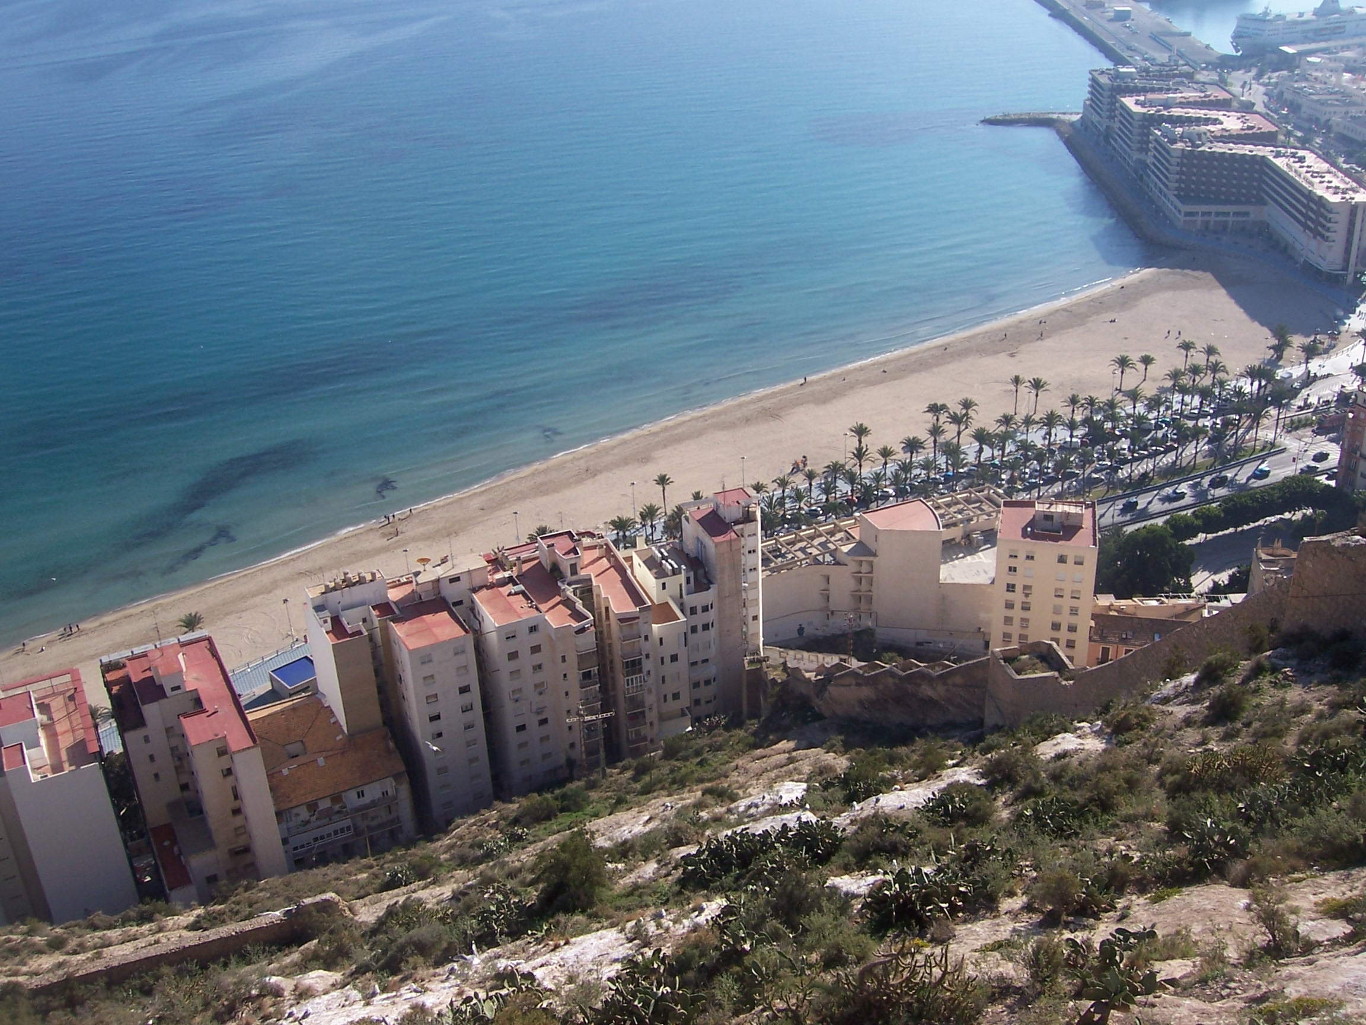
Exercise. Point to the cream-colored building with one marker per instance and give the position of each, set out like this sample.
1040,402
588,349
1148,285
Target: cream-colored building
919,573
1045,581
957,574
197,765
61,854
1120,627
336,796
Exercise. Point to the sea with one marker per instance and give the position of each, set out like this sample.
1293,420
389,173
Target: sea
1213,20
270,270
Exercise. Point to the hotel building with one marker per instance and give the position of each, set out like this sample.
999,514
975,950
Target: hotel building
61,854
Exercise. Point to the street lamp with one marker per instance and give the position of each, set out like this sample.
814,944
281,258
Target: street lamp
634,513
406,564
516,528
289,619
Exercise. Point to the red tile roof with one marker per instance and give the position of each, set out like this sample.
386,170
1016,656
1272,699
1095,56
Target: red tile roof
69,733
713,523
623,594
540,596
426,623
913,515
733,496
16,709
167,851
13,757
220,715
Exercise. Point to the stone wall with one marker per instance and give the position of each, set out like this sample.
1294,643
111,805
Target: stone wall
909,694
116,964
1328,585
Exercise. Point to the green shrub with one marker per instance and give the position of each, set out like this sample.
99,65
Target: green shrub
1130,717
961,804
1228,703
1216,668
572,875
1017,769
535,809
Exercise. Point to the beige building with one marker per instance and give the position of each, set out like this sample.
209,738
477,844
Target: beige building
917,572
724,534
336,796
957,574
1271,563
197,765
1351,473
1122,626
1045,575
61,854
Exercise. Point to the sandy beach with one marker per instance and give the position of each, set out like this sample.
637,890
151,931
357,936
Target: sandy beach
1230,303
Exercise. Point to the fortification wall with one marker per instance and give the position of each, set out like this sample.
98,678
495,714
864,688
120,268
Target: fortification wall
116,964
921,698
1328,589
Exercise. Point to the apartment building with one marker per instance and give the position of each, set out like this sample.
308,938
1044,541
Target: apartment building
197,766
1120,627
917,572
336,796
1045,582
956,574
724,534
61,854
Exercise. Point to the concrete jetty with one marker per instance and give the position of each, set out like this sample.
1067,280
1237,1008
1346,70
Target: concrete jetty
1131,33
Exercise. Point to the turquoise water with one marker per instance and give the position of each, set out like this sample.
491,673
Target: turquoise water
259,257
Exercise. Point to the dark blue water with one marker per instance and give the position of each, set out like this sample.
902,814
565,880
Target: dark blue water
258,257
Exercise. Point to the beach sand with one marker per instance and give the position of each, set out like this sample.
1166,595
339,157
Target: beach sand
1231,303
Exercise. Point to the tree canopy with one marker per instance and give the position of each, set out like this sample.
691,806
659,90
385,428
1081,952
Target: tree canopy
1145,561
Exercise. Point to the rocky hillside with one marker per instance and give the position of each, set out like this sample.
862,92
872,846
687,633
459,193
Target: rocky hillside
1189,859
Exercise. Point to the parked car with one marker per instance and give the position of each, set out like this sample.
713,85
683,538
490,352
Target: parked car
1320,457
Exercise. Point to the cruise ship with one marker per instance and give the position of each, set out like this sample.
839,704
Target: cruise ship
1327,23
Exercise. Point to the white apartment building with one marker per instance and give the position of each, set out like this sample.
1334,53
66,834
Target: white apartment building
61,855
197,766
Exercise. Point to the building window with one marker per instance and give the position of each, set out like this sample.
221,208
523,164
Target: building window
1062,559
227,772
469,726
1007,636
673,657
1010,603
1078,560
1070,644
1010,588
1013,553
429,680
222,750
1012,570
468,706
534,628
1024,622
1024,638
1008,620
1055,627
1073,610
156,776
434,717
1029,556
433,698
442,770
1071,628
465,688
543,721
438,734
535,649
1025,606
425,659
521,728
513,656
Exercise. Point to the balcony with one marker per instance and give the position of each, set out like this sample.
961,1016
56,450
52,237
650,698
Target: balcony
634,684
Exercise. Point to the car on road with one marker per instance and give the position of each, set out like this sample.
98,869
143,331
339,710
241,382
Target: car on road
1320,457
1261,473
1218,480
1129,505
1309,470
1174,495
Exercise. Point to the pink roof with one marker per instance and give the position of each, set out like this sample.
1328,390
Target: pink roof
620,590
13,757
915,514
220,715
713,523
15,709
733,496
1017,524
541,596
426,623
61,697
566,542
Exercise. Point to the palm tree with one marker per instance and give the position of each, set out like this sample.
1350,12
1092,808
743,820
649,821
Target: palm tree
673,523
697,496
1187,347
1038,386
936,433
1280,342
912,445
782,482
810,473
859,455
886,453
1017,382
860,431
190,622
1123,363
935,411
662,481
967,405
1309,348
960,421
1146,361
983,439
649,513
1210,350
540,530
1051,421
622,526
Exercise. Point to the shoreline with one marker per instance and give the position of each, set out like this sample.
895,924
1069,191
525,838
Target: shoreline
249,610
